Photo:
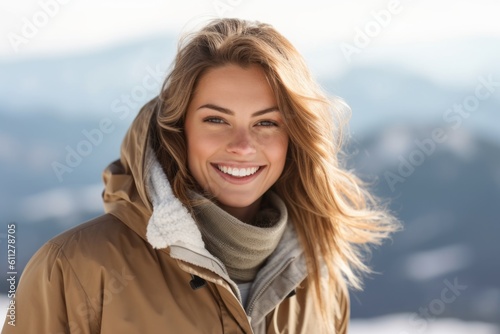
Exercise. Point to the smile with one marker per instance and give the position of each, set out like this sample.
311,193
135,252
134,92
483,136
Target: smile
238,172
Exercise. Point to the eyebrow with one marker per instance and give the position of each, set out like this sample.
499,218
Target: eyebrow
230,112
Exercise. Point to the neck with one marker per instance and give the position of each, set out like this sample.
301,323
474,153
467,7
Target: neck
245,214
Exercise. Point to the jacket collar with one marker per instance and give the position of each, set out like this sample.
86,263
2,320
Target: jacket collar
170,222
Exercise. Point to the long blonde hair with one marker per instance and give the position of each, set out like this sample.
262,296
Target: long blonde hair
335,217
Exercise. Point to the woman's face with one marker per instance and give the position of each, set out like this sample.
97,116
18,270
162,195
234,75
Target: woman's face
236,138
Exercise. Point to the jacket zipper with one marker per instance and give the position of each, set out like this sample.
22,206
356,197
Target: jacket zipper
221,265
229,281
266,286
259,293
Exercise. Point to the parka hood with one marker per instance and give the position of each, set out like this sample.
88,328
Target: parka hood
138,192
125,195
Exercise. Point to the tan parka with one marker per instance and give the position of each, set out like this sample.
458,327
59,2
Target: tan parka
142,268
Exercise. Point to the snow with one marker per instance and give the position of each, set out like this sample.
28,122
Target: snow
426,265
406,324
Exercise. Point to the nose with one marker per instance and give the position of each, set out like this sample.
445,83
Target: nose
241,143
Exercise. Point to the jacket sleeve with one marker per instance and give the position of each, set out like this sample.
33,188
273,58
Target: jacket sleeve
49,298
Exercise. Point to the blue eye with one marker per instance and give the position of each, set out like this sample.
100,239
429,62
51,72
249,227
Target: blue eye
215,120
267,123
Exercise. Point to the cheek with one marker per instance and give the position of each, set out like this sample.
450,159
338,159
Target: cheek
277,148
201,146
205,143
193,148
282,151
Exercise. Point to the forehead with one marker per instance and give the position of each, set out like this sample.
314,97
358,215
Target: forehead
235,85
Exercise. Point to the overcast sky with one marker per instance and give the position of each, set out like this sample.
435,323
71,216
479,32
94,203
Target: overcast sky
76,25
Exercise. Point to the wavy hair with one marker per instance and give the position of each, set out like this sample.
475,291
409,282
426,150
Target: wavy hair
335,216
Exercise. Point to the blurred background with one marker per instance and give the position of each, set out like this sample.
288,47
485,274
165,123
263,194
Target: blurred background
422,79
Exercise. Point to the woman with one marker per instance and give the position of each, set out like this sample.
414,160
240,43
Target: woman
228,211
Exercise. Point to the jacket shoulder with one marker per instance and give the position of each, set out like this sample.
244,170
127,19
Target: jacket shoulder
103,241
66,269
99,226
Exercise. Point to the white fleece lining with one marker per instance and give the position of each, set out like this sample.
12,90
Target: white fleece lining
170,222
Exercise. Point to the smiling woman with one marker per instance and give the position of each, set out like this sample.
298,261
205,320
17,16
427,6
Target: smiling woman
236,139
228,211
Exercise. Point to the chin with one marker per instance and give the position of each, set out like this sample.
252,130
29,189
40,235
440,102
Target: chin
237,201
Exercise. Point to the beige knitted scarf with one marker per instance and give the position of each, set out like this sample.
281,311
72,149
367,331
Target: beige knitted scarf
243,248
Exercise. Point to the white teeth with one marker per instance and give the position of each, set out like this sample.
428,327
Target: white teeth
238,172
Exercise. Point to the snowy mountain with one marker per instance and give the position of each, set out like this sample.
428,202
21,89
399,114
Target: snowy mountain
449,206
